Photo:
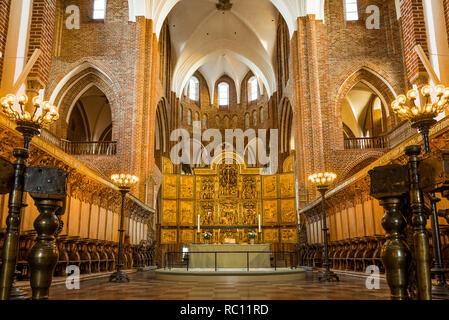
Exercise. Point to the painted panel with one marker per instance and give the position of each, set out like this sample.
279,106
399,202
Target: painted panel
271,235
187,187
169,213
270,212
269,186
170,186
288,211
289,235
186,213
287,185
169,236
187,236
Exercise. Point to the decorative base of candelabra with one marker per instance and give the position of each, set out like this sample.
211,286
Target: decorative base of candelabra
328,276
440,292
15,293
118,277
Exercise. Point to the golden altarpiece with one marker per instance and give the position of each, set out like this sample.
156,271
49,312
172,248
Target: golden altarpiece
228,197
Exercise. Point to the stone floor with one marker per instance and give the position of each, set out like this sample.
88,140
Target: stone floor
143,286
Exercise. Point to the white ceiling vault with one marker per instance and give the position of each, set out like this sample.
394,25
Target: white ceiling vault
224,42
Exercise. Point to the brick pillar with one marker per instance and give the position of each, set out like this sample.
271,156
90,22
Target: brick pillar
414,33
4,20
145,110
310,156
446,15
41,37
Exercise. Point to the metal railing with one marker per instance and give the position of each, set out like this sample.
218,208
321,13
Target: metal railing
289,259
80,148
380,142
89,148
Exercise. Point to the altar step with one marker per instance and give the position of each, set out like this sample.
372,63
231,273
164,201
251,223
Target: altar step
348,273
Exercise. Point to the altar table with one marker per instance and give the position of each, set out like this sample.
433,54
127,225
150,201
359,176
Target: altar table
229,255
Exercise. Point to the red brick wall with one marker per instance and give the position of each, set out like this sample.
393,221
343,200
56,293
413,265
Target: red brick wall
4,20
414,33
111,47
41,37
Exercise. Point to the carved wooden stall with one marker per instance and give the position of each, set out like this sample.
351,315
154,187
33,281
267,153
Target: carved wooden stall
354,217
89,234
228,197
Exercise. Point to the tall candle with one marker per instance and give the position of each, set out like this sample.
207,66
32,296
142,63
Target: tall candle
198,223
260,229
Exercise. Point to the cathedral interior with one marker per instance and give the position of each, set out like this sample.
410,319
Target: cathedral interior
152,148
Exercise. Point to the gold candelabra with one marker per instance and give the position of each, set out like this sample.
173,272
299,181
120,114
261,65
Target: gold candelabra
124,182
323,180
30,117
420,108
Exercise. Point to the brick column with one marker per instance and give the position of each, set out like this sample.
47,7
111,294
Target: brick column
446,15
4,20
145,110
41,37
310,153
414,33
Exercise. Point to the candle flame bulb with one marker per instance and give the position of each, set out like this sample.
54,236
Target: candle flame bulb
11,98
36,101
401,99
425,91
439,90
23,99
412,94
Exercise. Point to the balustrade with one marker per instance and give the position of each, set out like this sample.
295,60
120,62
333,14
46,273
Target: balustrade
108,148
380,142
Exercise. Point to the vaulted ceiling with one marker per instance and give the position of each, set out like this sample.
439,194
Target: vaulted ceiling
217,42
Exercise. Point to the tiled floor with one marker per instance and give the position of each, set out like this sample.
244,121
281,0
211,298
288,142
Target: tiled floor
143,286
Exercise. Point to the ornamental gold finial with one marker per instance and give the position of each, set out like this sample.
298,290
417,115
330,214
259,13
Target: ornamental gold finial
36,114
418,105
124,180
322,179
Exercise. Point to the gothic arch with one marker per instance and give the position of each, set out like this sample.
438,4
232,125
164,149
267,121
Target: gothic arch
286,125
372,79
377,83
162,123
69,90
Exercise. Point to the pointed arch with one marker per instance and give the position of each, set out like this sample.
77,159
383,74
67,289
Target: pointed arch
77,82
374,81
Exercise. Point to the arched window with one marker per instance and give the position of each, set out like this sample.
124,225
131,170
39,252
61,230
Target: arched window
253,89
223,94
351,10
204,121
194,89
99,11
181,113
255,117
189,117
247,120
261,117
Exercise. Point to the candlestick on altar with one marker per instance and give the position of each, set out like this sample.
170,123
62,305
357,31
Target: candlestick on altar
260,229
198,223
